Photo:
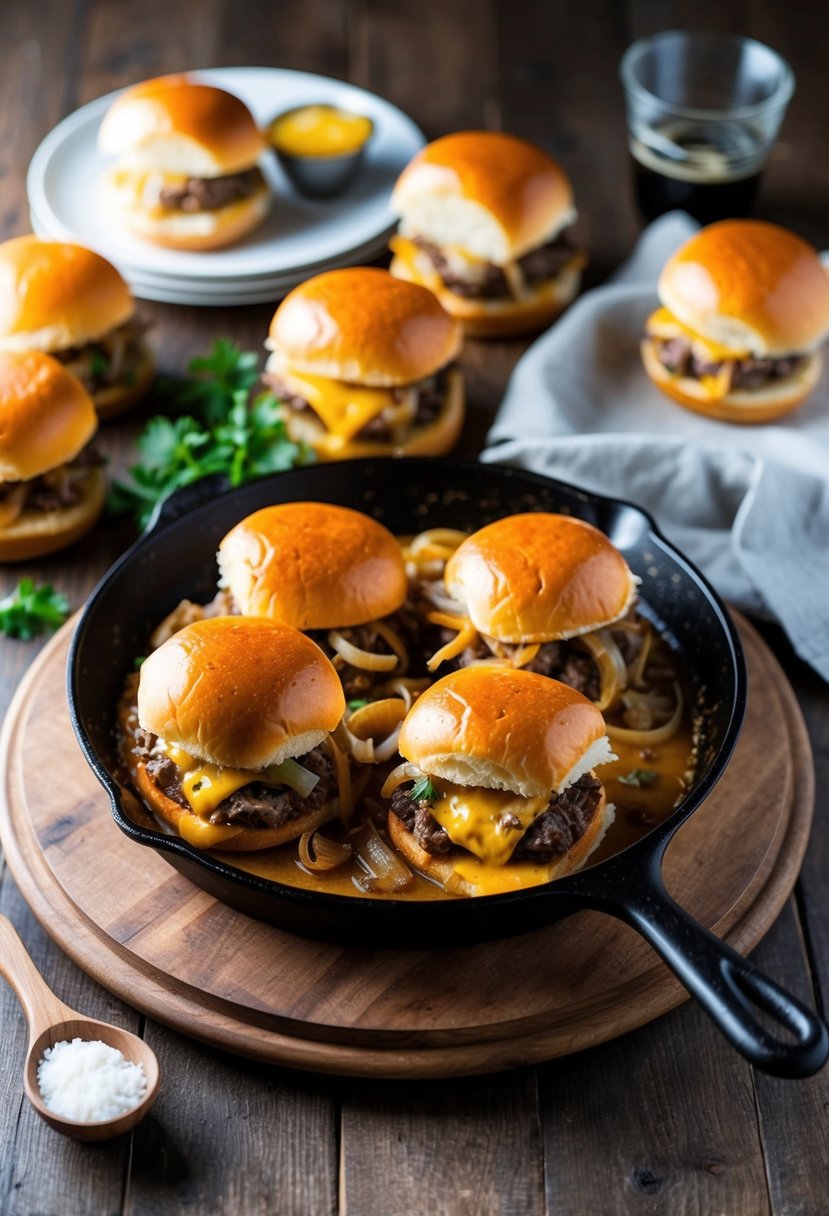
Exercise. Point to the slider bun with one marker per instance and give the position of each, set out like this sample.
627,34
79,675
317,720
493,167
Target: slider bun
313,566
175,124
442,869
500,318
435,438
539,577
241,692
36,533
55,295
504,729
47,415
749,286
366,327
193,230
740,405
491,194
246,840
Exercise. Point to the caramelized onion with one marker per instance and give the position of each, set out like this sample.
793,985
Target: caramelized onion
371,732
405,687
608,658
654,735
357,657
403,772
319,853
466,635
384,870
392,638
343,779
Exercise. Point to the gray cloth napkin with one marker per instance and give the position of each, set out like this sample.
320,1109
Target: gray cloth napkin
748,504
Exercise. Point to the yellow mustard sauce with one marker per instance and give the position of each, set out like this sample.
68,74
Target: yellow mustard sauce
319,130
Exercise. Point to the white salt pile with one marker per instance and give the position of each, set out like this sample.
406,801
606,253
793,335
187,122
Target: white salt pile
89,1081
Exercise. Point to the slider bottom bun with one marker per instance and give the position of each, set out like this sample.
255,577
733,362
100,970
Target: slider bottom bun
741,405
442,869
36,533
502,318
114,399
435,439
246,840
197,230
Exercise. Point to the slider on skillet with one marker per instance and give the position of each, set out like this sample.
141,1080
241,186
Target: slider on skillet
503,794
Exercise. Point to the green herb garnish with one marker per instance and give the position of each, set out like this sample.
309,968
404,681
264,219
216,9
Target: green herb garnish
358,704
98,362
216,382
640,777
31,610
424,791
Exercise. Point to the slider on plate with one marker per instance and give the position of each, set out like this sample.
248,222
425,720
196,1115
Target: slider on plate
187,175
73,304
496,791
364,363
52,487
227,737
745,306
538,591
486,223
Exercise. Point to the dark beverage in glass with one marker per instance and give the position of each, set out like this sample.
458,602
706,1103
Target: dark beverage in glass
712,176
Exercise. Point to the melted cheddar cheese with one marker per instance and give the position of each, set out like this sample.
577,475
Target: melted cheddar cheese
205,785
480,820
344,408
663,324
319,130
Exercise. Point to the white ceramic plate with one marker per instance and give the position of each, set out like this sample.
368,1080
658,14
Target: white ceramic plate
65,195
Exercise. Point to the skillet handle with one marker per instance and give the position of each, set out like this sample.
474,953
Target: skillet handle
728,987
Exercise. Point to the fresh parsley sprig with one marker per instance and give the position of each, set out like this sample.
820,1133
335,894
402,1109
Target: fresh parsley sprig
30,610
226,434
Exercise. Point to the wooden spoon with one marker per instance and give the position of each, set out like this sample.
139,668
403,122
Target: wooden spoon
50,1022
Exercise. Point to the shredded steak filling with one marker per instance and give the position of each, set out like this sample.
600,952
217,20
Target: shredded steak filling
52,491
210,193
114,358
253,806
677,355
356,681
562,661
490,283
552,834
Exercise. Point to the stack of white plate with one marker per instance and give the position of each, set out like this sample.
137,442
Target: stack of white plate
300,237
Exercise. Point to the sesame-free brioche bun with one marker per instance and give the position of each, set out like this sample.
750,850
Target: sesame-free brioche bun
749,286
46,415
175,124
539,577
241,692
493,195
364,326
504,729
497,317
775,400
55,295
313,566
442,869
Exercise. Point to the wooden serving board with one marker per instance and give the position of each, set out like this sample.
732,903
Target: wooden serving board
168,948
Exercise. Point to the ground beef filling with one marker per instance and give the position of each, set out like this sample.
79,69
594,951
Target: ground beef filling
677,355
490,283
431,397
253,806
53,491
552,834
210,193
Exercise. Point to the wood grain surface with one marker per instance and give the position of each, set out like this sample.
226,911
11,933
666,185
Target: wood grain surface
666,1120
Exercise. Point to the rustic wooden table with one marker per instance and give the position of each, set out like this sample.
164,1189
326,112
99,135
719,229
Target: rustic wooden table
667,1119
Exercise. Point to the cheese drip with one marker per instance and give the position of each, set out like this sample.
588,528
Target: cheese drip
344,408
205,785
480,820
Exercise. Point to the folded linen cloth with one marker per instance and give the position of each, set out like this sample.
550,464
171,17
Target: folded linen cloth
748,504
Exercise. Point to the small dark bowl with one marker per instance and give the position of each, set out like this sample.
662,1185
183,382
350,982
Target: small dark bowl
319,176
176,559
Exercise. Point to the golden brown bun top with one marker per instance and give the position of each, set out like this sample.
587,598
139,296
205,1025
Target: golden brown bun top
504,729
313,565
539,577
522,189
46,415
365,327
182,125
240,691
54,295
749,286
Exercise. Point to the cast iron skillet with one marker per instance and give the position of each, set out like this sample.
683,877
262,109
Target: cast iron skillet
176,558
